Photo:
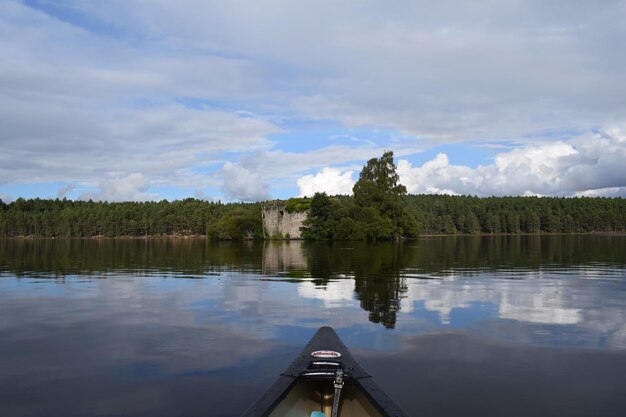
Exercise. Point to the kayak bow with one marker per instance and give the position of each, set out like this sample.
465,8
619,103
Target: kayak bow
324,380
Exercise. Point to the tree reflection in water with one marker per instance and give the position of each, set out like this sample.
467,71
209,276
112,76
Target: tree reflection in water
380,271
376,270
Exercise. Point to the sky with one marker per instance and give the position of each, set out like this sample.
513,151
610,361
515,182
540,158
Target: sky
247,101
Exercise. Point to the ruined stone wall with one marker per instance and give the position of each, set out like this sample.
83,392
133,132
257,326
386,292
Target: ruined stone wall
277,222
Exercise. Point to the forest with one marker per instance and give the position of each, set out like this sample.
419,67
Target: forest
444,214
379,209
432,214
189,217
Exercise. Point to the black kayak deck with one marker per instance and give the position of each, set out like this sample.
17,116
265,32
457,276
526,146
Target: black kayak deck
324,339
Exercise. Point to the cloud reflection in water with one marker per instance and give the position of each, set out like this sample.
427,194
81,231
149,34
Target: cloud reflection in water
163,328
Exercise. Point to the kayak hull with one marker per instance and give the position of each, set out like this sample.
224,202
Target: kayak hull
307,385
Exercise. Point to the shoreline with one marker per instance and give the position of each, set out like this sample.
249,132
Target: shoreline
204,237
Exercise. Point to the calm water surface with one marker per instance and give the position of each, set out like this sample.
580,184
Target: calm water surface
473,326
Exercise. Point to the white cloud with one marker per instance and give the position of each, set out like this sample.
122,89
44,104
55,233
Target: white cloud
548,303
583,166
6,198
335,294
539,313
200,195
77,106
329,180
62,192
243,184
131,187
603,192
163,142
447,69
283,169
165,87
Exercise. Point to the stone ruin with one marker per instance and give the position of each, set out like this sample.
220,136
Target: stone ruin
278,223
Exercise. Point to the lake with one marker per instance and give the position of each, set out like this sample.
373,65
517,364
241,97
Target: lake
448,326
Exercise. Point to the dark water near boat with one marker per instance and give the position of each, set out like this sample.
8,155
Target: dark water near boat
513,326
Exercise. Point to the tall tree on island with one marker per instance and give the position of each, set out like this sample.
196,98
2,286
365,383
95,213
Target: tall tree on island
378,187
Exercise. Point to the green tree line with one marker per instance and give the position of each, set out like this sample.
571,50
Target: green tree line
445,214
338,218
334,218
68,218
